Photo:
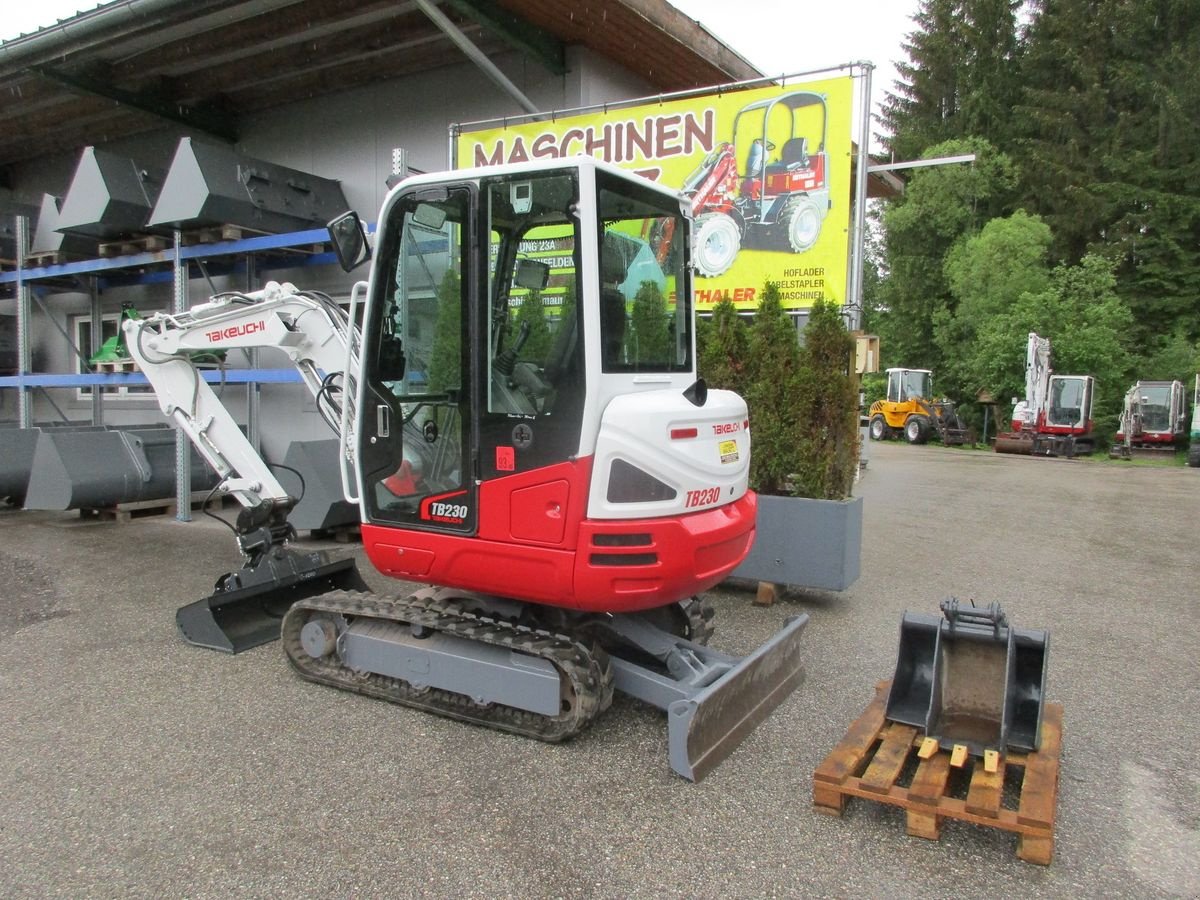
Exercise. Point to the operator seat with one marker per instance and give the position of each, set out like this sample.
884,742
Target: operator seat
794,153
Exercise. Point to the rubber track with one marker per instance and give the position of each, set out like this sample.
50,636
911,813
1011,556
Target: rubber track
589,679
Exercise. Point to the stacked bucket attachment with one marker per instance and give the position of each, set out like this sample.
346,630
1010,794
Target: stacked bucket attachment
110,196
970,680
712,700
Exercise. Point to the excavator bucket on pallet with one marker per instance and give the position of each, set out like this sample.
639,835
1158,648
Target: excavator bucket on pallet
712,700
248,605
969,678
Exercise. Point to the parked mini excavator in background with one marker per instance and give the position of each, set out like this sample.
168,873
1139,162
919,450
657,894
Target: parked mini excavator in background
1055,418
565,510
910,409
1154,420
1193,456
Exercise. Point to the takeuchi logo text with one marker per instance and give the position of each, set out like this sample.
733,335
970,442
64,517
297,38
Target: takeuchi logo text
235,331
649,138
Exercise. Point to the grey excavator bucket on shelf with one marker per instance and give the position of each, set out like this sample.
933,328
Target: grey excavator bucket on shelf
85,468
110,196
969,677
209,185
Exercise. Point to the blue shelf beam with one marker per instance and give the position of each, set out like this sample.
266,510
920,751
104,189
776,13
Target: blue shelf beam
110,379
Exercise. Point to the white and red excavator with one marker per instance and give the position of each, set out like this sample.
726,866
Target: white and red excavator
564,503
1055,418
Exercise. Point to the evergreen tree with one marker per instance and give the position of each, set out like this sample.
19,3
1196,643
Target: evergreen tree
652,341
960,79
532,312
1109,128
722,354
827,408
773,374
445,364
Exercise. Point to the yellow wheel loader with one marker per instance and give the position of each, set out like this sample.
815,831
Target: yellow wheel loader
911,410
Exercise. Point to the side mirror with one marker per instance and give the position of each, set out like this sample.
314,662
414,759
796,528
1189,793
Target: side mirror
349,238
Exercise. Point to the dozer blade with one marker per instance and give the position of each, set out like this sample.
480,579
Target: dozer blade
705,728
248,605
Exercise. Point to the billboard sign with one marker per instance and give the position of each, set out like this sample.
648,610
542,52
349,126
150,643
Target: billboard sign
767,171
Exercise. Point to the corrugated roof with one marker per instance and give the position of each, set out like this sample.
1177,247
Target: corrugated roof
123,68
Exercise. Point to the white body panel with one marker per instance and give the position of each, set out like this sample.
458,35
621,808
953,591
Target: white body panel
707,470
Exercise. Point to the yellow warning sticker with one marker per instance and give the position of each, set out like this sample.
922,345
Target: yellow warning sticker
728,451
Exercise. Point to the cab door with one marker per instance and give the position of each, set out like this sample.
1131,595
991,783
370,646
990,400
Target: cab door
415,436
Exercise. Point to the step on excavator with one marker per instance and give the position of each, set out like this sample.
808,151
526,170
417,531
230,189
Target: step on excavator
564,500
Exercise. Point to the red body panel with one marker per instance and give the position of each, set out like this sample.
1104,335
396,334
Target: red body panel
534,544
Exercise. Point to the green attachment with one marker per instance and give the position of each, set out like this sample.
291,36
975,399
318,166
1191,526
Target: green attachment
114,350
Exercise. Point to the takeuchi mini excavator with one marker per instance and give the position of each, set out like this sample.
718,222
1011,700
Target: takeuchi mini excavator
1055,418
1154,420
565,501
911,409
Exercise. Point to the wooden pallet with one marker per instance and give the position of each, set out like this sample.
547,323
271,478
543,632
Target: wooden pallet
214,234
871,759
123,513
49,258
123,367
142,243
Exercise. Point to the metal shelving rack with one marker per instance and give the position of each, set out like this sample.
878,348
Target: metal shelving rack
171,265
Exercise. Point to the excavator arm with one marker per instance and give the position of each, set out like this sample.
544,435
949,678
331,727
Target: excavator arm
316,335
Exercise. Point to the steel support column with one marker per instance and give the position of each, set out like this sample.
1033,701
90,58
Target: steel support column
477,56
24,357
94,347
183,445
854,300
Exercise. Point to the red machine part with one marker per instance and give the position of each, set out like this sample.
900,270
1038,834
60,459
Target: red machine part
534,542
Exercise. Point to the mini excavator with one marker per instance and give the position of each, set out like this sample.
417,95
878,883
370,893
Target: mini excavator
524,432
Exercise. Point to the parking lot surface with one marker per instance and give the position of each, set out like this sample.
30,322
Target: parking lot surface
133,764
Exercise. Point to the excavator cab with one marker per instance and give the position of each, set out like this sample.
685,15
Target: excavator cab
527,309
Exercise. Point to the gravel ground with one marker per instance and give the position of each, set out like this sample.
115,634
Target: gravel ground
134,765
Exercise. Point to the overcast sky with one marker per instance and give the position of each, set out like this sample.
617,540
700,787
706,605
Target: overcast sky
779,37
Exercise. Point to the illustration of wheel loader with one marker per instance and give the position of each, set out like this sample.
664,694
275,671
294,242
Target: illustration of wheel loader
776,202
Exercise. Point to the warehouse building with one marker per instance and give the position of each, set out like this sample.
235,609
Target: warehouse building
301,105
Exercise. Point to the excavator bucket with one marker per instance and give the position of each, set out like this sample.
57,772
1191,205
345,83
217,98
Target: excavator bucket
248,605
712,700
970,678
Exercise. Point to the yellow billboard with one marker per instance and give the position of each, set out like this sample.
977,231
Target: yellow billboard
767,171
